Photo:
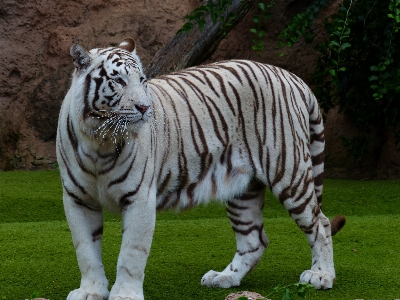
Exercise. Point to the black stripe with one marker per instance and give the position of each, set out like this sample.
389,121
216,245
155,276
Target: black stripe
71,176
96,235
281,161
223,121
191,73
248,196
67,164
230,212
298,210
74,142
224,91
192,112
235,206
259,228
229,167
209,82
214,121
99,81
233,71
319,137
124,200
239,222
123,176
242,124
274,105
113,158
81,202
86,108
318,159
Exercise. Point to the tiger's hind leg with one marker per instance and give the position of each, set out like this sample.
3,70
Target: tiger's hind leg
245,215
301,202
322,272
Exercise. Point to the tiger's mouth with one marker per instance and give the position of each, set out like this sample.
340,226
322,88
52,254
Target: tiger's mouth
115,125
127,116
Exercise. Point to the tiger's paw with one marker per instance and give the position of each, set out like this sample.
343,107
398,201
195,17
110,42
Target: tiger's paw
125,292
82,294
320,280
219,279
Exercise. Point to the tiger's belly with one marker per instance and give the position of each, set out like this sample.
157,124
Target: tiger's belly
219,183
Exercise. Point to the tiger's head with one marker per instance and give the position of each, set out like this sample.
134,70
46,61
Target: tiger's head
112,91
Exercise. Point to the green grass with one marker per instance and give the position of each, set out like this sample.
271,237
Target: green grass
37,255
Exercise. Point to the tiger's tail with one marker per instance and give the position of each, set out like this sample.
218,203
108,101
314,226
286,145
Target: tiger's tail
337,223
317,147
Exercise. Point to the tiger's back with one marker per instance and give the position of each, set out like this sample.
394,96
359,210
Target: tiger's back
224,131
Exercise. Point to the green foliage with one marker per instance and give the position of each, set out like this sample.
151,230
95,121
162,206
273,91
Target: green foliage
357,146
300,290
263,13
361,57
34,295
217,12
300,26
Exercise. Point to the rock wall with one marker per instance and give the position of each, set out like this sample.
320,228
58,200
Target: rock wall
36,67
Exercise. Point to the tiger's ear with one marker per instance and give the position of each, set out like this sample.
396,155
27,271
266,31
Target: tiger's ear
80,55
128,44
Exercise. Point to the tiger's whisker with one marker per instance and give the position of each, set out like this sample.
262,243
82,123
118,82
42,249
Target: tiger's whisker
106,127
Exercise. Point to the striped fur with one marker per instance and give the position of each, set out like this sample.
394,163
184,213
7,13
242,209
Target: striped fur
224,131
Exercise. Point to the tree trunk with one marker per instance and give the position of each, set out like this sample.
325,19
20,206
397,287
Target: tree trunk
190,49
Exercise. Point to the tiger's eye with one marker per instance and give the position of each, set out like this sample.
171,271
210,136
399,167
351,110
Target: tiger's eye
120,81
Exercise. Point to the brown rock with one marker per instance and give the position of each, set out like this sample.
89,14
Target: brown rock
36,66
249,295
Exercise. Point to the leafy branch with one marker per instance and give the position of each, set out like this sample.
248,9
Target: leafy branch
263,13
217,12
379,80
301,24
343,33
360,59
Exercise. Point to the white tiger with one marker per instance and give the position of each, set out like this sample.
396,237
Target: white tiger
221,131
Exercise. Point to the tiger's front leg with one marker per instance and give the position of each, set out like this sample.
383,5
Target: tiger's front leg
138,221
86,225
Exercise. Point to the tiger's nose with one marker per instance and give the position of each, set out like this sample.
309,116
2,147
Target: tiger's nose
142,108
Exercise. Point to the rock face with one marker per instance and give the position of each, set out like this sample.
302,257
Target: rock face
35,67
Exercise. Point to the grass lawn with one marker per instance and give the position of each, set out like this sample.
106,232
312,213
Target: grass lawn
37,255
